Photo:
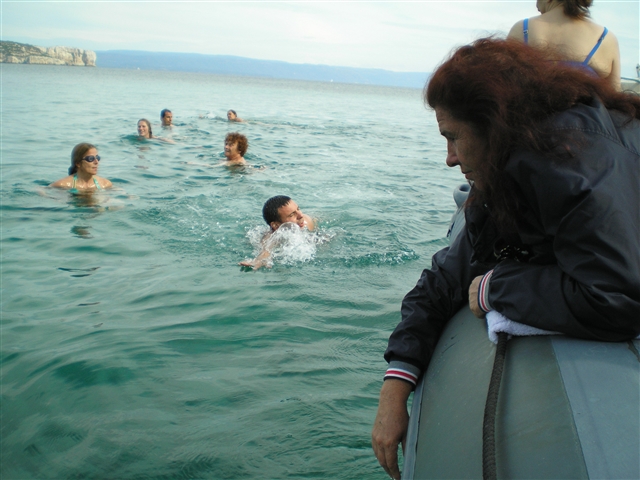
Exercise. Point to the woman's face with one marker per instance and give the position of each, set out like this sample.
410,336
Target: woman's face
465,148
90,168
231,115
143,129
231,149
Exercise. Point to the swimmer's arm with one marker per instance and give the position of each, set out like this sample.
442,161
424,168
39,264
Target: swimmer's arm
206,164
166,140
42,191
122,193
261,260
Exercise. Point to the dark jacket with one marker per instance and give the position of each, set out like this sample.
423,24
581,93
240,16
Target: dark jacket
577,269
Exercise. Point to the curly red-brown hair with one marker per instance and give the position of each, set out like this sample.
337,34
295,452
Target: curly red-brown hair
507,91
243,143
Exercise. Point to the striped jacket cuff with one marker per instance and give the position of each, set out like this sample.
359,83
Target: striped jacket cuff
483,292
403,371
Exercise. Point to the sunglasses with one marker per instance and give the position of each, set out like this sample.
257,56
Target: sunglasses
91,158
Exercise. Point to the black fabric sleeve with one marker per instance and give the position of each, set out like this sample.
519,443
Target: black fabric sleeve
588,210
440,292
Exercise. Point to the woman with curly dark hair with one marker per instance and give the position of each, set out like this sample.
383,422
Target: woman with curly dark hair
551,236
235,146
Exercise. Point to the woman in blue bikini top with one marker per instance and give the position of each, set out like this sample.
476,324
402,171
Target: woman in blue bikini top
83,171
564,25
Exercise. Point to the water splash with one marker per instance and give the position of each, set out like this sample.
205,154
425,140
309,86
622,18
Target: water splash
289,244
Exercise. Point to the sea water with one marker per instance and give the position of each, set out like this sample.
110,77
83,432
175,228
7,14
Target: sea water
132,343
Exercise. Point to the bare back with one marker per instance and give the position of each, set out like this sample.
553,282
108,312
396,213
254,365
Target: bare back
574,38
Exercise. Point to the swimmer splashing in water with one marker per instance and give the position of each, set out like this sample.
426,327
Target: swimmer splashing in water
279,211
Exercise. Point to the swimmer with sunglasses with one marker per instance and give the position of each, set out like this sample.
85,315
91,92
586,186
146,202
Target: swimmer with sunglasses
82,172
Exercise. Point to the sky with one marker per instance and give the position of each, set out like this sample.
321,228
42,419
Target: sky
403,36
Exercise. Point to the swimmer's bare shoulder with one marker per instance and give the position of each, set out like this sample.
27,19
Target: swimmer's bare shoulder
65,182
309,222
103,182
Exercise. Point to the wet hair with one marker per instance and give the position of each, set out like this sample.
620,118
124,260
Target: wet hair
148,125
243,143
507,91
164,112
576,8
76,155
271,207
232,111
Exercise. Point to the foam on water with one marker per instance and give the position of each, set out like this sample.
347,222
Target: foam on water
290,244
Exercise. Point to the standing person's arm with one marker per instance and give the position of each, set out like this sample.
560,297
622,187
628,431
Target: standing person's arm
390,426
438,295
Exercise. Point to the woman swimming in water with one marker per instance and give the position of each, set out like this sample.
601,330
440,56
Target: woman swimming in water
144,131
144,128
83,171
232,116
235,146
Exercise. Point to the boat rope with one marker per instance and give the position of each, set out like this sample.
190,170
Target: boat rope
489,471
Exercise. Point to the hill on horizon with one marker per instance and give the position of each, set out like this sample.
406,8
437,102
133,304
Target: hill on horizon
242,66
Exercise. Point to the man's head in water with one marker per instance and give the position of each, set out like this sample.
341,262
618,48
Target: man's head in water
281,209
167,117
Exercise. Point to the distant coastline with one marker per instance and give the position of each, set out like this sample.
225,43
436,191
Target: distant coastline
23,53
231,65
14,52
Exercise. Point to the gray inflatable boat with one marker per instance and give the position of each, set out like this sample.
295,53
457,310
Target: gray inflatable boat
567,408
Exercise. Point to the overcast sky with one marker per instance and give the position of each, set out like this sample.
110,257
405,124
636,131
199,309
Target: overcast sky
410,36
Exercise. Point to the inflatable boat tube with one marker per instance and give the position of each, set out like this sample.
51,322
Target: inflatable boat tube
567,408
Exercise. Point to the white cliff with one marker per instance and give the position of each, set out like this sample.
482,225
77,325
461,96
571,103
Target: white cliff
12,52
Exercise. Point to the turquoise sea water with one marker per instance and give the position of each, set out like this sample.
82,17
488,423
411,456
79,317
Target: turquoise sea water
133,345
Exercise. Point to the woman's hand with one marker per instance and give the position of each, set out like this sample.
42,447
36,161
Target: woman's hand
390,426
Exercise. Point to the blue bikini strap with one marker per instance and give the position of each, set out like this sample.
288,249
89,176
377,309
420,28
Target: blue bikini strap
595,49
525,30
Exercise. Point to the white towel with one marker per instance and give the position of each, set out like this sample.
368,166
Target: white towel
496,323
